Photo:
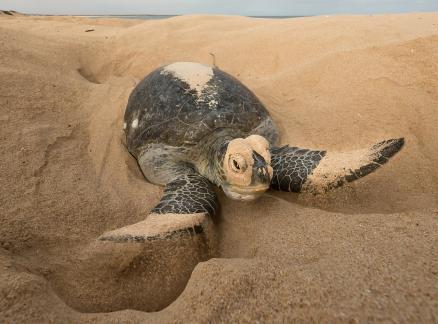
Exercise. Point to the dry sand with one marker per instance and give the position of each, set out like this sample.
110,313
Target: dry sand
367,252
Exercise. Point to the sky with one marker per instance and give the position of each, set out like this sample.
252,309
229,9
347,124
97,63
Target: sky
227,7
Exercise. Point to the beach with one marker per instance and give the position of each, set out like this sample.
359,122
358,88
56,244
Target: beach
365,252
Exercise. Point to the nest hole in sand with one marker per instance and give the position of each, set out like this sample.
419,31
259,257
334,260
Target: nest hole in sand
106,277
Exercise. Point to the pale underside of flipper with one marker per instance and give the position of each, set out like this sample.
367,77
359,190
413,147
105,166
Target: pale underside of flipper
185,208
158,227
303,170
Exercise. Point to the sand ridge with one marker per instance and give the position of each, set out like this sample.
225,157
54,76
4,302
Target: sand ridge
362,253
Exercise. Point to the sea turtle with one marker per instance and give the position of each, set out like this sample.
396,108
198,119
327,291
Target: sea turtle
192,126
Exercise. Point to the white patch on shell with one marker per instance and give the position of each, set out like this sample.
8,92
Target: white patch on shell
196,75
212,104
134,123
124,125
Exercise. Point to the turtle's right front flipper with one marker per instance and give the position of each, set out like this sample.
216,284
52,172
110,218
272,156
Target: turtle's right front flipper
187,203
297,170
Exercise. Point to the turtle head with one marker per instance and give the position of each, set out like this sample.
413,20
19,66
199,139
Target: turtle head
246,170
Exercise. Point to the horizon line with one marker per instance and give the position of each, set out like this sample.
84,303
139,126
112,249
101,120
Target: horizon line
223,14
146,14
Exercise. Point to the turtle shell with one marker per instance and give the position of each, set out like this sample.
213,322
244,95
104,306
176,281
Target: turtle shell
182,103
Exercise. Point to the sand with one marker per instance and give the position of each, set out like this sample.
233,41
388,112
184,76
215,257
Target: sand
366,252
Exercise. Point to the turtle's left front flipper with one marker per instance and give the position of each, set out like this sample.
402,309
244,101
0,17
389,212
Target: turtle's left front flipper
301,170
187,203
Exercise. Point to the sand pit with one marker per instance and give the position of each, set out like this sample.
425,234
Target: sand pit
365,252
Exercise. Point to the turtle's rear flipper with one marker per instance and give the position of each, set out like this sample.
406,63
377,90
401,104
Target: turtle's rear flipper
185,207
158,227
300,170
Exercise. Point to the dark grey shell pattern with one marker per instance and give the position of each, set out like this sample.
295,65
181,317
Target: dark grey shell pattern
181,103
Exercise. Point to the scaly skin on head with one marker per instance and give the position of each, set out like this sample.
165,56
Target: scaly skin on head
240,166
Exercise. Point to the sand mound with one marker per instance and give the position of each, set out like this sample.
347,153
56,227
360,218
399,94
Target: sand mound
364,252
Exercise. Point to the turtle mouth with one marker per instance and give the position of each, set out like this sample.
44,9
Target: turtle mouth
244,194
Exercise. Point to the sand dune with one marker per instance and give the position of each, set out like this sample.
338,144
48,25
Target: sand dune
366,252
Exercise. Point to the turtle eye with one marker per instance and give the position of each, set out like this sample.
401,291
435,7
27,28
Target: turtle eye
237,163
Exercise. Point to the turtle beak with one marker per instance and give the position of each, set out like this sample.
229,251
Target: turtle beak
260,172
244,194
